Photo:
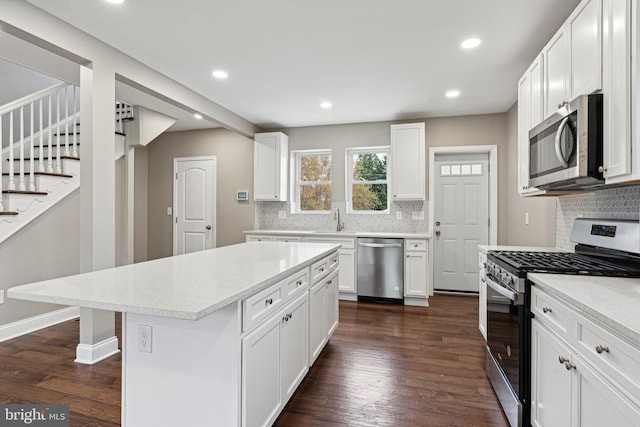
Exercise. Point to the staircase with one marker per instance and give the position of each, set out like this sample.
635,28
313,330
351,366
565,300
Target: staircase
40,163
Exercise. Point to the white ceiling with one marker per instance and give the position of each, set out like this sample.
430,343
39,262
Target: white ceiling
375,60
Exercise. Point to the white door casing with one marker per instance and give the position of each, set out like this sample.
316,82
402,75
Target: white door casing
460,219
194,204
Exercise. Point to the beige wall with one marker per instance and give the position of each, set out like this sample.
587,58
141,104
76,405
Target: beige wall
47,248
541,230
234,155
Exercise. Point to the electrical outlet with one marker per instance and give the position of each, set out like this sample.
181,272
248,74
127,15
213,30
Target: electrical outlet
1,296
526,218
399,215
282,214
169,211
145,334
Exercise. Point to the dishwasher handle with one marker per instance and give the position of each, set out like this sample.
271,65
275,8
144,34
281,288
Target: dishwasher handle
380,245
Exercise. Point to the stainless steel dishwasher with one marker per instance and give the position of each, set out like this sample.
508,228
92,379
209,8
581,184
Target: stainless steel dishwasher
381,269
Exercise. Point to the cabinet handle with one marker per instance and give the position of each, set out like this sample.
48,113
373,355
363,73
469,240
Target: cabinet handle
562,104
285,318
546,310
334,261
321,269
569,366
329,282
562,359
269,301
299,282
600,349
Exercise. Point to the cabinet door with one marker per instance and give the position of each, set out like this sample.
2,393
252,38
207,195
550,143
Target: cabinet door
408,161
261,397
599,404
415,274
536,107
616,81
555,67
331,304
317,331
270,166
347,270
551,382
294,362
584,28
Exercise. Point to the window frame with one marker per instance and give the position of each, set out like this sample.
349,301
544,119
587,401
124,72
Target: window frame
296,182
349,153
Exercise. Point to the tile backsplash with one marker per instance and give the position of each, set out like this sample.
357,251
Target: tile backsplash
267,218
615,203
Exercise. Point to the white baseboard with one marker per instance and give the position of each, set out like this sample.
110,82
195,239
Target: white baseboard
89,354
416,302
343,296
32,324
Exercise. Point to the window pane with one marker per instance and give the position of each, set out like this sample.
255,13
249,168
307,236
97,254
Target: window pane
370,167
369,197
315,197
315,168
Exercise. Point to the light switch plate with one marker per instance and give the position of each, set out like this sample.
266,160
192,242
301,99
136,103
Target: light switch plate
399,215
1,296
416,216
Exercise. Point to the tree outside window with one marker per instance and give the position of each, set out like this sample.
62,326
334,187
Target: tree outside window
368,180
313,181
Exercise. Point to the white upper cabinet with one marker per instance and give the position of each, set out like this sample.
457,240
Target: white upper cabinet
573,58
408,161
270,159
621,161
584,29
555,73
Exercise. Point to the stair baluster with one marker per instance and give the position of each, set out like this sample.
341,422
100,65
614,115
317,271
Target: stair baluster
12,181
50,127
32,179
75,122
66,121
58,163
41,143
21,184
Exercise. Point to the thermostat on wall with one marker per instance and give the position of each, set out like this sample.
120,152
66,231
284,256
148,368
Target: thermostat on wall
242,196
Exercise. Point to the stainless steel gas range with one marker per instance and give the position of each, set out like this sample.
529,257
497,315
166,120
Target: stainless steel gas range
603,247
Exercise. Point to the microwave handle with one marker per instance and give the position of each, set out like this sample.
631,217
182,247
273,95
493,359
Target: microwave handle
559,154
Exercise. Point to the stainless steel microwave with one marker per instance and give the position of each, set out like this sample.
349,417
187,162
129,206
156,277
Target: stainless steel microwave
565,150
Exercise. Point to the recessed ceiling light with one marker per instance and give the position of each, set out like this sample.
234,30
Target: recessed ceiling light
115,1
197,116
326,105
470,43
452,93
219,74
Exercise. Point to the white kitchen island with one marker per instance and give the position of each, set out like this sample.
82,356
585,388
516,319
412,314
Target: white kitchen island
216,338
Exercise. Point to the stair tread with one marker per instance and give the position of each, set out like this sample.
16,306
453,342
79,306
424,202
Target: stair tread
8,213
61,175
35,193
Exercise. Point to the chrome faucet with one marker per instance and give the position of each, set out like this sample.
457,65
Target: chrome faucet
336,216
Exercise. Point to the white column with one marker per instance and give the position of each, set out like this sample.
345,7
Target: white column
97,203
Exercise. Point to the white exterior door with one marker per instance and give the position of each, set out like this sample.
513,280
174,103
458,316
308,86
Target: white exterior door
194,203
461,219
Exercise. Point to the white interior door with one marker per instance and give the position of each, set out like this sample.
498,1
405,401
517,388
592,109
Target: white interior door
194,204
461,219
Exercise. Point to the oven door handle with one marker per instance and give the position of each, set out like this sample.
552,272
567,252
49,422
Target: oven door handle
517,298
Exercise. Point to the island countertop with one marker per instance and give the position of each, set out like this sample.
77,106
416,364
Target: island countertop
187,286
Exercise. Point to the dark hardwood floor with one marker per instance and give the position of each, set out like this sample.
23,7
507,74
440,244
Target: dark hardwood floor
384,366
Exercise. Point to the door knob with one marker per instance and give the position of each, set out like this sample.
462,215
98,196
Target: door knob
208,227
437,223
437,232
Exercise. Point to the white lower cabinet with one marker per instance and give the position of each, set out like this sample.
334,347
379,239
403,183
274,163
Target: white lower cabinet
294,338
323,313
415,273
568,390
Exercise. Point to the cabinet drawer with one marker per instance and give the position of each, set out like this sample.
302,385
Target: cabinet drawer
346,243
296,284
552,313
257,238
261,305
614,357
319,270
287,238
333,261
415,245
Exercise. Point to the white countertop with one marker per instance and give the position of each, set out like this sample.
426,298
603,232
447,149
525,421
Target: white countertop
183,287
382,234
614,302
